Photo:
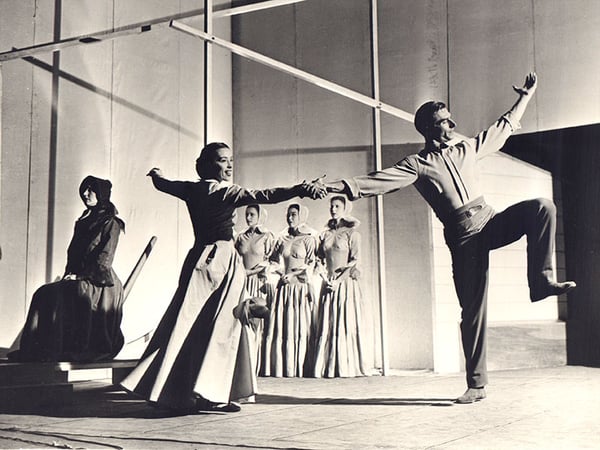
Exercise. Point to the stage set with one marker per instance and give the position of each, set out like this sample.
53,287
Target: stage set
298,89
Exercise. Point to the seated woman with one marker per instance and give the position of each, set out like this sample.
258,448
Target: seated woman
79,317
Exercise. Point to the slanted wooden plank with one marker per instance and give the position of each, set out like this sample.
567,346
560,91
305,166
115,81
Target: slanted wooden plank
114,363
295,72
133,29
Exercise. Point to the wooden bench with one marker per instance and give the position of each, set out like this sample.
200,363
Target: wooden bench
120,368
31,383
45,373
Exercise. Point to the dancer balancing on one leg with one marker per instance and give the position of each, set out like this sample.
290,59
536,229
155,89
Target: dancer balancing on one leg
196,359
445,174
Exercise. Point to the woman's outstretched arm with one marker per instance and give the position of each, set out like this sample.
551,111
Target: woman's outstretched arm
175,188
240,196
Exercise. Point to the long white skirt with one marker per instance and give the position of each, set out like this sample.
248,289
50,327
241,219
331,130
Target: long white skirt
286,350
198,348
258,287
338,345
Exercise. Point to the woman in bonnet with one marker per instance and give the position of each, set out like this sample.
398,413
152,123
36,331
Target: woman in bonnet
286,351
78,318
339,349
255,245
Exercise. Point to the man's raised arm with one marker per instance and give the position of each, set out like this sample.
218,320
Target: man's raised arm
525,94
494,138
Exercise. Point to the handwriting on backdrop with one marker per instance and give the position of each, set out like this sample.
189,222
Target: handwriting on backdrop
433,21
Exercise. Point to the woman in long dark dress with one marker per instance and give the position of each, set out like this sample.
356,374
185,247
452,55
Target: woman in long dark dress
78,318
198,357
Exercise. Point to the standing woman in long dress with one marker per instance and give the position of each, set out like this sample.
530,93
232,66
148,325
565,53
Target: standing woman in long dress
78,318
286,349
255,245
196,359
338,345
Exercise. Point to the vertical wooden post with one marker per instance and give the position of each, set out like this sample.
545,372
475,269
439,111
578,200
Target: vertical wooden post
52,173
208,28
379,198
0,153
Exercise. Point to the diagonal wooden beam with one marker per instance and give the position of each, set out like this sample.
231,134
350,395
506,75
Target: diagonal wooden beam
291,70
134,29
252,8
17,53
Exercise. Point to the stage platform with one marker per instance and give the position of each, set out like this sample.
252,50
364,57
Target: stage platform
52,383
548,408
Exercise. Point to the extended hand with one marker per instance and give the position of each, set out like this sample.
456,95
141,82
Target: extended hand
529,86
155,171
314,189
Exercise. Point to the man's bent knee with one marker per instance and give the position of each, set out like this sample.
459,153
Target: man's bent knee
545,205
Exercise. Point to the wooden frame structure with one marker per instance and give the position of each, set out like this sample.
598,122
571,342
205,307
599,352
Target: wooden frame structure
134,29
210,39
374,102
377,143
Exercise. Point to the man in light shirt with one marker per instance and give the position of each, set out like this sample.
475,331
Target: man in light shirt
446,175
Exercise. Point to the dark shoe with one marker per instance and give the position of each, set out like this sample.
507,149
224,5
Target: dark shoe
553,289
471,395
203,405
227,407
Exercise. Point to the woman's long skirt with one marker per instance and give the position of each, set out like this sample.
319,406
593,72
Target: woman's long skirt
198,349
258,287
286,351
73,320
338,347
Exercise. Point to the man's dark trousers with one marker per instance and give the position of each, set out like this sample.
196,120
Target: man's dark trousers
470,262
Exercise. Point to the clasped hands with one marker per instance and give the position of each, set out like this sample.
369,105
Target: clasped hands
295,274
260,270
314,189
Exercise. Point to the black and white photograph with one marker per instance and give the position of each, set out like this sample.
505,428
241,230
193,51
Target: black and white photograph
299,224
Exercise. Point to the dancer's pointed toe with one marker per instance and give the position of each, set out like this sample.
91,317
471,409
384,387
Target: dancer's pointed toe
552,289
